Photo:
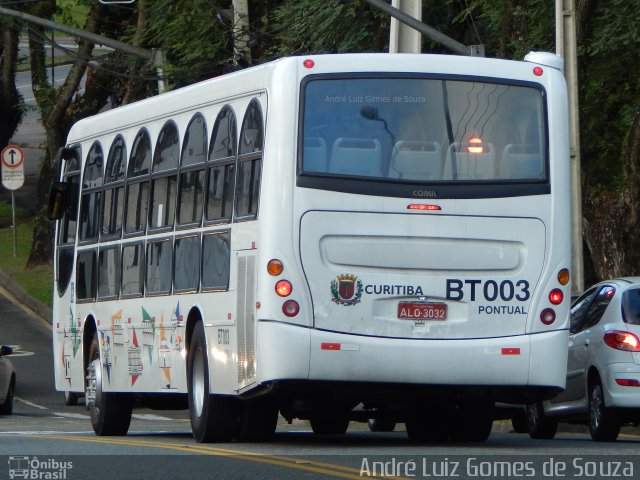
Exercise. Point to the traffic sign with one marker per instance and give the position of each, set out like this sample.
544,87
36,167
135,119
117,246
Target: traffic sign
12,158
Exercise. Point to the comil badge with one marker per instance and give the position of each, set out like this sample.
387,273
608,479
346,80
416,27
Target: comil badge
346,290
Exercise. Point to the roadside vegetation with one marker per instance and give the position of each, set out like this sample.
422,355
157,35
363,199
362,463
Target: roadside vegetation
37,281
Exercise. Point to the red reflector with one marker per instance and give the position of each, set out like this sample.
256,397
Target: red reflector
628,382
291,308
329,346
621,340
308,63
510,351
556,296
538,71
419,206
547,316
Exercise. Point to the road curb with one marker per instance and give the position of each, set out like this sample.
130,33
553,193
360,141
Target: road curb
36,306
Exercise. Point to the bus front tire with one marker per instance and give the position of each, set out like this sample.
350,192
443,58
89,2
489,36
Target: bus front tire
110,412
214,418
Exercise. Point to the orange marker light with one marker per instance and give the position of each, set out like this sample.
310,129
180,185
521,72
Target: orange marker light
275,267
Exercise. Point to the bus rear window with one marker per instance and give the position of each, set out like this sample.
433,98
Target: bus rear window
423,130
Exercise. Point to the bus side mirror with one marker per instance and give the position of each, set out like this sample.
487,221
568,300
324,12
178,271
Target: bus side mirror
58,199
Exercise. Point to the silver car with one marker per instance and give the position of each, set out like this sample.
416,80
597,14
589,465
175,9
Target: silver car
7,381
603,367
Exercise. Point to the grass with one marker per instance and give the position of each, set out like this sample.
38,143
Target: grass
38,281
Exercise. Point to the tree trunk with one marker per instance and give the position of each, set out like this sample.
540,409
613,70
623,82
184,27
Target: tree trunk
56,118
10,100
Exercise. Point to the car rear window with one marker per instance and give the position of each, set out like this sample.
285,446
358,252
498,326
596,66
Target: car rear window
631,306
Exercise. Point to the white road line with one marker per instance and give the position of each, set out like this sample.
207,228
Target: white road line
71,415
31,404
146,416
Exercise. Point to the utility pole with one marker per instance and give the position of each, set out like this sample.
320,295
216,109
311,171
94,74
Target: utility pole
241,31
403,38
566,47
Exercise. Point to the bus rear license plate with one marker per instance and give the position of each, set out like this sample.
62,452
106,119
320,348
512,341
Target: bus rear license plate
422,311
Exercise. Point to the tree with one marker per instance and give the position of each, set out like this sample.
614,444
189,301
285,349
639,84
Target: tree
11,109
59,111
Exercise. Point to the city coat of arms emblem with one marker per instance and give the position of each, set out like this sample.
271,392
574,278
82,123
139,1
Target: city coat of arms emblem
346,290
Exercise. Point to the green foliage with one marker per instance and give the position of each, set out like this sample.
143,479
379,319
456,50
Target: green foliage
609,91
508,28
196,43
315,26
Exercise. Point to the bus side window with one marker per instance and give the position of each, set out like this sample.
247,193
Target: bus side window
108,273
159,266
113,204
132,270
192,172
249,163
67,225
86,276
137,186
164,177
216,258
221,168
91,195
187,264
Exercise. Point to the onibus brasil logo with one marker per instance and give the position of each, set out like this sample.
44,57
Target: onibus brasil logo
346,290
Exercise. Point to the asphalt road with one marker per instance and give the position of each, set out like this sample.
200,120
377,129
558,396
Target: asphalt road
53,439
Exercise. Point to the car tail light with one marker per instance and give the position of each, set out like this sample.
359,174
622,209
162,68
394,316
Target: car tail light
621,340
556,296
548,316
291,308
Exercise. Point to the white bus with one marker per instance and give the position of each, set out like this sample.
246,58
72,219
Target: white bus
332,237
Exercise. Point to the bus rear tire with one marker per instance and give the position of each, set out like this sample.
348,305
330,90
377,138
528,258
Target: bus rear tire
381,424
214,418
258,420
110,412
472,421
428,426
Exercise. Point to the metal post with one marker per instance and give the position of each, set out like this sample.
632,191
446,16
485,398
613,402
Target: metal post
53,76
402,38
566,46
13,224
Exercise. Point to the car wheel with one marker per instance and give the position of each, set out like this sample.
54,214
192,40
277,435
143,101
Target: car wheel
214,418
604,422
540,425
381,425
110,412
6,408
520,423
329,425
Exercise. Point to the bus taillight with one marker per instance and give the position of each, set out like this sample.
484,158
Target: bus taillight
284,288
564,276
291,308
556,296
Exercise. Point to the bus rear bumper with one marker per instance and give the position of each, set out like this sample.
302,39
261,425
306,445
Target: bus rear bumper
290,352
